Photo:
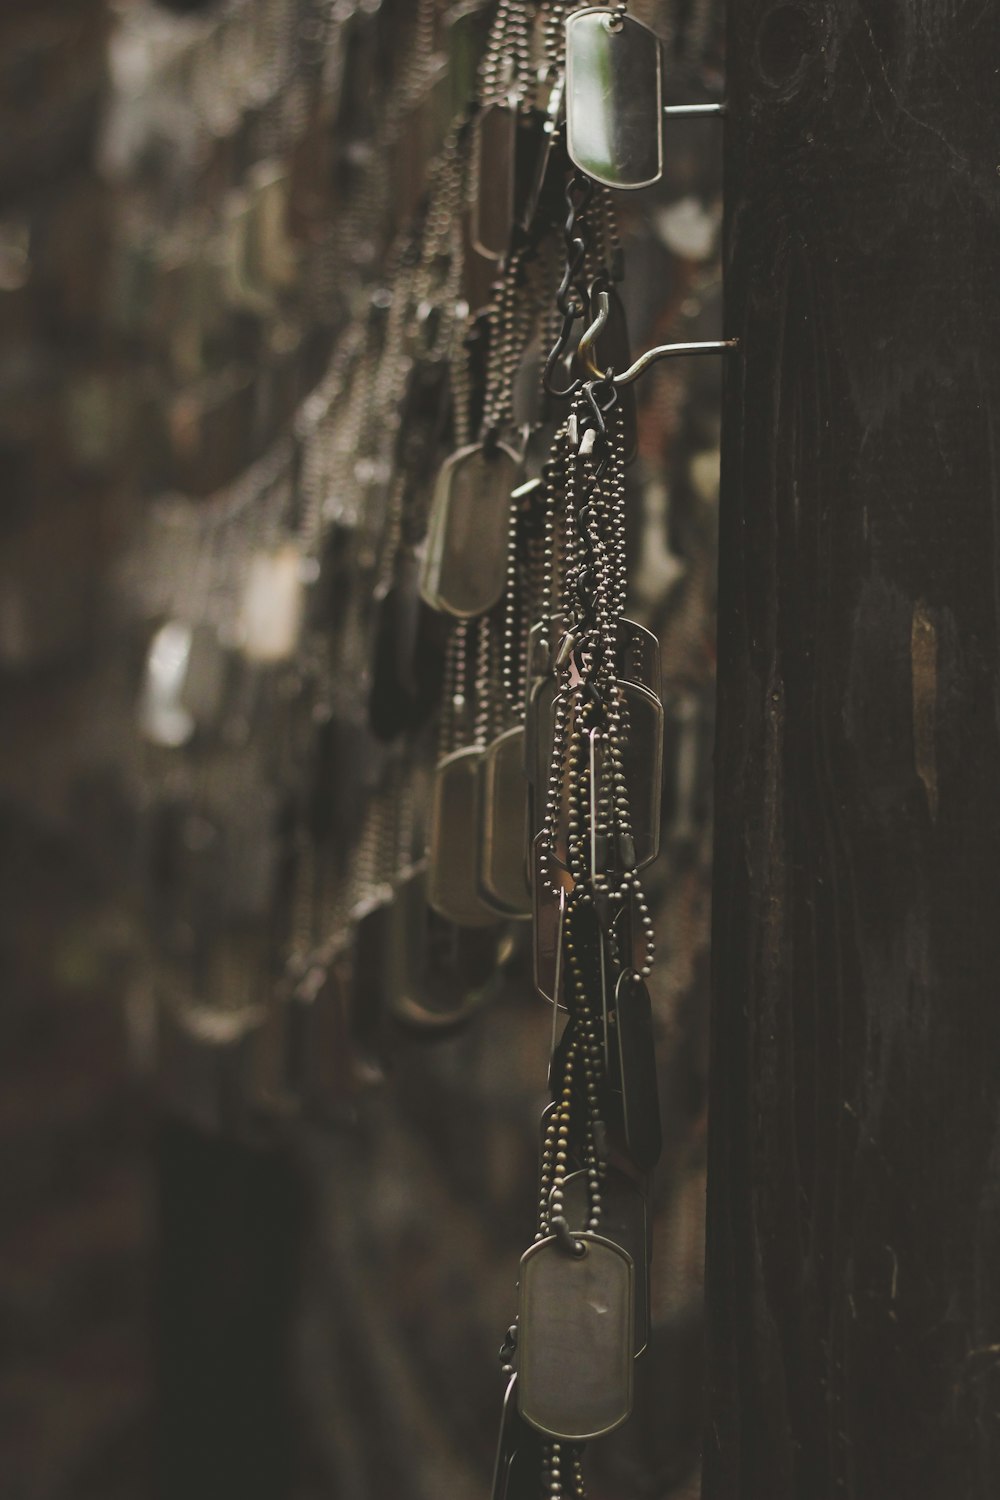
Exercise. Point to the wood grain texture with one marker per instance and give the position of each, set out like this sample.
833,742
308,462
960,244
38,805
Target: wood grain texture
853,1267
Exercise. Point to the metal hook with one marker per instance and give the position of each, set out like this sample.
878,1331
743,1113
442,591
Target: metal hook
585,349
586,353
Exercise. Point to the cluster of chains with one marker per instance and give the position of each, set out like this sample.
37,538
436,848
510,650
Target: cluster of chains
396,723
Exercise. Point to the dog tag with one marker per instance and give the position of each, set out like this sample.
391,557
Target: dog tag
465,40
503,870
438,974
642,762
624,1220
465,565
547,928
638,656
164,717
453,855
517,1470
495,145
637,1071
272,604
614,105
478,272
576,1338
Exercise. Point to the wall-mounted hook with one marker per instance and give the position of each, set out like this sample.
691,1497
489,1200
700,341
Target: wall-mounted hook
693,110
587,356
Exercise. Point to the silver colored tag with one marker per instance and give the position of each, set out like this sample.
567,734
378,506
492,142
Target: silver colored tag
517,1469
638,656
614,103
495,147
438,974
642,761
624,1220
164,718
503,870
549,913
637,1065
576,1338
453,854
465,563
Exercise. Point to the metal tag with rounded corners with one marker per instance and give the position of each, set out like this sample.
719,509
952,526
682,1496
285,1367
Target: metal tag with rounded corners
495,147
453,853
624,1220
465,560
637,1071
637,658
576,1338
642,762
503,869
614,98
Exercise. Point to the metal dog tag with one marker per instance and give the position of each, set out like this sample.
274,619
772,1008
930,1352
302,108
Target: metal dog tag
438,974
576,1338
164,717
503,870
614,104
517,1470
642,762
465,565
495,147
549,912
638,656
453,855
624,1220
637,1071
272,606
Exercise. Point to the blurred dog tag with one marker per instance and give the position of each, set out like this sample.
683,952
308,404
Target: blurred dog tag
495,147
465,566
272,604
575,1339
503,871
453,855
164,718
438,974
614,105
623,1219
637,1063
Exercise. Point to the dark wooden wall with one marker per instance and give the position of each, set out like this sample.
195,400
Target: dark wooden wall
853,1273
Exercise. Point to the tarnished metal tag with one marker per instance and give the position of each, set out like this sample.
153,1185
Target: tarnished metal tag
637,1071
576,1338
495,147
453,854
438,974
549,911
638,656
517,1469
614,104
503,870
465,565
642,762
624,1220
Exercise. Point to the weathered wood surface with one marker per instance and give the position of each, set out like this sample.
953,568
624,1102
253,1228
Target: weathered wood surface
853,1274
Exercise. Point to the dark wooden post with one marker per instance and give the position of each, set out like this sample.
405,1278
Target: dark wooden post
853,1274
